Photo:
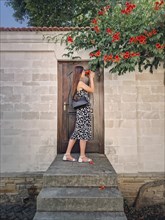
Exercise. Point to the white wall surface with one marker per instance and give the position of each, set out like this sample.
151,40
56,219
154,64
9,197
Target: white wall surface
134,109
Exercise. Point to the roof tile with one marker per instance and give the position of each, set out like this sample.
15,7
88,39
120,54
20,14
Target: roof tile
41,28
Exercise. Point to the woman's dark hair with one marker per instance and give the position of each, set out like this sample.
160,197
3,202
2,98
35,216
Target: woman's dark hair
76,77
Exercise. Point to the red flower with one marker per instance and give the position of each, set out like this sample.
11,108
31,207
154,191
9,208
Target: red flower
156,8
94,21
109,31
154,31
87,72
158,5
105,58
158,46
97,29
137,54
116,37
91,162
98,53
151,33
91,54
108,7
129,8
141,39
102,187
101,12
117,58
123,11
70,39
133,40
108,57
133,54
126,55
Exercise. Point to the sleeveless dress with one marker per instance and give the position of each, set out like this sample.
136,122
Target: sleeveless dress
83,126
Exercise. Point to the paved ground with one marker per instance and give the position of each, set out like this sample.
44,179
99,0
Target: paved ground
27,210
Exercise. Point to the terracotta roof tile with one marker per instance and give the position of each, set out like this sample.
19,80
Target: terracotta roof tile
41,28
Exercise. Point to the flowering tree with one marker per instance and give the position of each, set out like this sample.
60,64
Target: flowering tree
123,36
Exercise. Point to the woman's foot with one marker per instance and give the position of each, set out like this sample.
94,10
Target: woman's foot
68,157
84,159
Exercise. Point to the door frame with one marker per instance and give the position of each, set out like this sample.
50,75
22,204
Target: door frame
60,108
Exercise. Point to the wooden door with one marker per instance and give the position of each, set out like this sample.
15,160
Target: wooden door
66,114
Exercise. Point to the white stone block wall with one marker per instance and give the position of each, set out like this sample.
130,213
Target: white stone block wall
28,104
134,121
133,109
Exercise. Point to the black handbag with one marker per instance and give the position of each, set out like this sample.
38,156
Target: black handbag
79,103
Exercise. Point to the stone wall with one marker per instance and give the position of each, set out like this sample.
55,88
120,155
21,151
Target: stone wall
16,187
29,100
143,189
134,121
28,105
133,106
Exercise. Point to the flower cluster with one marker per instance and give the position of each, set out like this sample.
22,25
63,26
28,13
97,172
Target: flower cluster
120,37
116,37
108,57
129,8
96,54
128,54
96,29
104,10
109,31
117,58
94,21
158,5
143,38
151,33
160,46
69,39
139,39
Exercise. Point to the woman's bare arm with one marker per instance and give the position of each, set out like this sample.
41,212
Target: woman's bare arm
85,87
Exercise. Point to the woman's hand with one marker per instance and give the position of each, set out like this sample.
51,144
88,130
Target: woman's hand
92,74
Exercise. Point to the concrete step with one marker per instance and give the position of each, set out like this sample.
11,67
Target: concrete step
79,199
73,174
80,216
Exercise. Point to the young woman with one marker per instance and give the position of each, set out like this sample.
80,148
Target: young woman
83,128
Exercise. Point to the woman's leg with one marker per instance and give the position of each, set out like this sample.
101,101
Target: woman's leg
70,146
82,147
82,151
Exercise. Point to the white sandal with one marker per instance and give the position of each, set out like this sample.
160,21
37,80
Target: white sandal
66,159
80,160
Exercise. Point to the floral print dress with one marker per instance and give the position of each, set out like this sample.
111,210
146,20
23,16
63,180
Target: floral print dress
83,126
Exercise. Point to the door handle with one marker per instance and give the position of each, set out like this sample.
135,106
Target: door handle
65,106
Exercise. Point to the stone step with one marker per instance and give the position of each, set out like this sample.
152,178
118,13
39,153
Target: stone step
79,199
80,216
73,174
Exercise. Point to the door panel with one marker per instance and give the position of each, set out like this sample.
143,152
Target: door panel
67,115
